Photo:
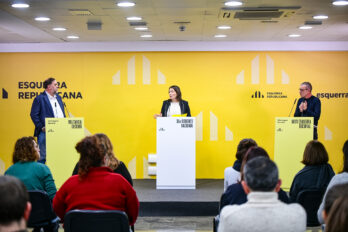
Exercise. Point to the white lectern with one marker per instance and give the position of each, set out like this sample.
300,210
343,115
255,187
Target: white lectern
176,153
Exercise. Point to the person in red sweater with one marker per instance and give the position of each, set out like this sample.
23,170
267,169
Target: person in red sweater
96,187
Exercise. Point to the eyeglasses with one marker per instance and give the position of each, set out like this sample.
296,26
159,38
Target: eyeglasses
302,90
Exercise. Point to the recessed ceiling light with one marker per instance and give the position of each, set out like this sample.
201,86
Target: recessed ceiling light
20,5
42,19
294,35
340,3
320,17
125,4
141,28
224,27
134,18
72,37
233,3
146,36
220,36
59,29
305,27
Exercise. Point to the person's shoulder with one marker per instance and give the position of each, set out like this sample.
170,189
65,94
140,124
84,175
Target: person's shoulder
10,169
228,210
234,188
340,178
71,181
295,209
41,166
121,164
118,180
316,99
228,170
41,95
185,102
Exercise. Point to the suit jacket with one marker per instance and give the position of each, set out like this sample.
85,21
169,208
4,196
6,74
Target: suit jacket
185,109
41,109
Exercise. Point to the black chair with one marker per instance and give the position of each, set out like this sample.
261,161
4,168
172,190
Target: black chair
310,201
42,214
96,220
216,221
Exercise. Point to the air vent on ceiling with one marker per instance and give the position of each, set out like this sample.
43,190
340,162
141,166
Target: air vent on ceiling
313,22
254,15
133,24
269,21
80,12
94,26
257,13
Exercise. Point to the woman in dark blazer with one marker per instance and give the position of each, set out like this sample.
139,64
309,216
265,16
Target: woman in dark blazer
174,105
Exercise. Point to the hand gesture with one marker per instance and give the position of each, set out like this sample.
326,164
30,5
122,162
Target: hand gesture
305,105
157,115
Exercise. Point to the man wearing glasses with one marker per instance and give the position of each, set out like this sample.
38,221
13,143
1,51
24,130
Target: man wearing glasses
308,106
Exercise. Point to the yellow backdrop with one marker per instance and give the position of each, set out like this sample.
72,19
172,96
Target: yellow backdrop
118,93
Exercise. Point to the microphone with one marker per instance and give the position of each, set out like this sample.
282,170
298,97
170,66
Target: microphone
66,109
55,107
292,106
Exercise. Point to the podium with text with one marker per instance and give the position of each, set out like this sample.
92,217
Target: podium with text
291,137
62,135
176,153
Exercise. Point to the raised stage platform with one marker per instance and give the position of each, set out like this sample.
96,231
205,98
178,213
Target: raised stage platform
202,201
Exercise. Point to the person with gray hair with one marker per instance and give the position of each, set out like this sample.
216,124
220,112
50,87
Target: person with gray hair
263,211
308,106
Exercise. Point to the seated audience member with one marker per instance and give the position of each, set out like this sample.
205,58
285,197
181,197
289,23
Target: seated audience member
115,165
335,212
96,187
34,175
317,172
232,174
235,193
14,205
340,178
263,211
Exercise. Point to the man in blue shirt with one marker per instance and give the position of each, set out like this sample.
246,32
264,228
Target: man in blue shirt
308,106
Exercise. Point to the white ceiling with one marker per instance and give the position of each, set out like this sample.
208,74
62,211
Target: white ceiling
19,26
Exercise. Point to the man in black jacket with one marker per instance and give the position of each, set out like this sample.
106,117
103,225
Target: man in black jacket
308,106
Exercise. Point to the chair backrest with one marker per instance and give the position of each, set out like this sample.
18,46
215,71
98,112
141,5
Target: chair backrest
96,220
42,211
310,201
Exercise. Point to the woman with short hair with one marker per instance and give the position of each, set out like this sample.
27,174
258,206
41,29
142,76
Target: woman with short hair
34,175
317,172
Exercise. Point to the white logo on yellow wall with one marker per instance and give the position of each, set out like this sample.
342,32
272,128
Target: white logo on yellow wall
213,135
255,72
116,79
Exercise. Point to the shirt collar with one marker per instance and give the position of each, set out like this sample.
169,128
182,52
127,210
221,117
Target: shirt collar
50,96
262,197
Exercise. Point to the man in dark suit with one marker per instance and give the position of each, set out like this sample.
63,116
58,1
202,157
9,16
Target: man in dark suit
47,105
308,106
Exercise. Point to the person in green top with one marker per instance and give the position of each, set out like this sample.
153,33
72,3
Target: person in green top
34,175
